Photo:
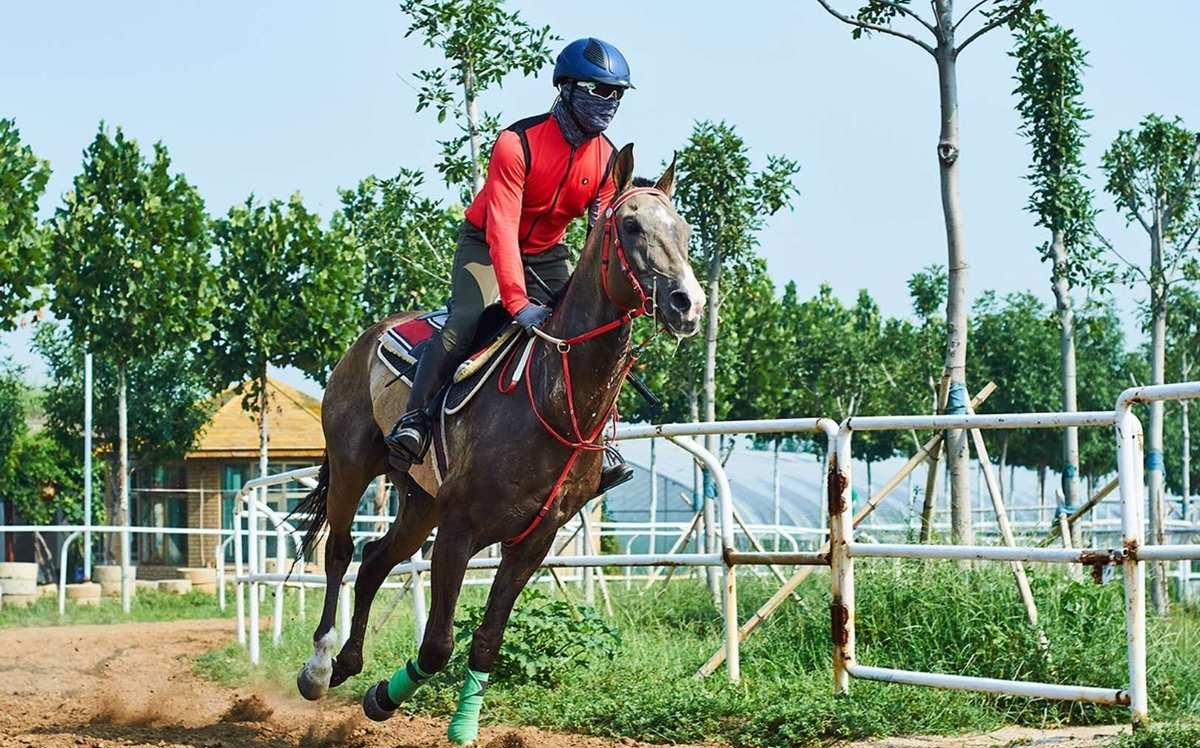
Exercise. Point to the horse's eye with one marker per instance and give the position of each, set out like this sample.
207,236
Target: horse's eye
631,225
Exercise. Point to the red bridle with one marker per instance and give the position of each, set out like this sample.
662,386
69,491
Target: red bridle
577,442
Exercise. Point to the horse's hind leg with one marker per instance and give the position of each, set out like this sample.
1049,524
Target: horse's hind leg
347,481
380,556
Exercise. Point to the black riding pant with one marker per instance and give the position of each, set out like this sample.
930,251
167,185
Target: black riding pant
473,285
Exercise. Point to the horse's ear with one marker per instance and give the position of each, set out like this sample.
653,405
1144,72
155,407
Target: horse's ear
623,169
666,183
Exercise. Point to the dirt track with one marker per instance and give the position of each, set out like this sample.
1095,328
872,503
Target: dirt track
133,685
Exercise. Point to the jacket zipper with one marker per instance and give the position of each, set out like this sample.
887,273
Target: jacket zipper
554,199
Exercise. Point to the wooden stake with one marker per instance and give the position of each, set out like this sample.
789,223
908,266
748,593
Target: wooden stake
1018,568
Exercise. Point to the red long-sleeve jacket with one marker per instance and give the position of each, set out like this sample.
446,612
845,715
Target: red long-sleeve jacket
537,183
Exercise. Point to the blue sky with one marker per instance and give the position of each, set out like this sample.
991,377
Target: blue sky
275,97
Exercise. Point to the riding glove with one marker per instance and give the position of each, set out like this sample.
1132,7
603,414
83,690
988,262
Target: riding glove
532,315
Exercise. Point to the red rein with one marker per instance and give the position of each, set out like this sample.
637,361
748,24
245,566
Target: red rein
577,441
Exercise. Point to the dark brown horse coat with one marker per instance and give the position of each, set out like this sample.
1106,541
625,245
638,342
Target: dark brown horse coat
503,462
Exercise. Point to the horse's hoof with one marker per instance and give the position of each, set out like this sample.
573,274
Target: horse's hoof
371,706
344,668
309,687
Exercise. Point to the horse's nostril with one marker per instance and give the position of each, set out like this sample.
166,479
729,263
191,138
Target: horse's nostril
680,301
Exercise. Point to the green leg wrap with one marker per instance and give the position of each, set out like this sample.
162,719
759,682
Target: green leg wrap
464,725
404,682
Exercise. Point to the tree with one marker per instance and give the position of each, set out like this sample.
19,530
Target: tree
22,179
39,482
406,239
12,423
168,404
1013,345
129,264
939,38
1183,347
1152,177
1106,368
482,44
726,204
288,297
1050,66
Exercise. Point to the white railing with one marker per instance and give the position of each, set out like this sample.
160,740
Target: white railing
261,521
844,549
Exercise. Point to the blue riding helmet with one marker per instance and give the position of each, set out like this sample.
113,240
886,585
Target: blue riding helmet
592,60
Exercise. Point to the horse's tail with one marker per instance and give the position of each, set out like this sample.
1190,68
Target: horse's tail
314,505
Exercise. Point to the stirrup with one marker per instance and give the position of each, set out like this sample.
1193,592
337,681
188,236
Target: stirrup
614,475
410,438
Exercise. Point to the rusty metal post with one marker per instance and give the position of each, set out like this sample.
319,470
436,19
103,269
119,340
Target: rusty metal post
841,529
1129,473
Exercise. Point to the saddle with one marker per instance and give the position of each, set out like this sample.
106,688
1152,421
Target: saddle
400,347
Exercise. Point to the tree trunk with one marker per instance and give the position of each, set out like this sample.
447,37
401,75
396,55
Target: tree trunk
472,106
709,396
1154,437
262,426
653,496
775,493
1066,349
1004,437
123,478
1187,463
955,366
1042,514
697,479
263,406
87,465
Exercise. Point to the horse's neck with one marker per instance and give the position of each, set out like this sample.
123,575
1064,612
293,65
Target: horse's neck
595,364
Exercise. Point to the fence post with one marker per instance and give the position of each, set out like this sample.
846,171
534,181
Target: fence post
239,587
1129,473
252,542
841,529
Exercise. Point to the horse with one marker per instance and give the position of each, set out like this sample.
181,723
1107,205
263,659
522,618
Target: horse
525,460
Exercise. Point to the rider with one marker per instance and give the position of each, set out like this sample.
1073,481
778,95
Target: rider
544,172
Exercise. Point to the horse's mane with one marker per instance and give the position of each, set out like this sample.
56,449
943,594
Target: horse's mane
643,182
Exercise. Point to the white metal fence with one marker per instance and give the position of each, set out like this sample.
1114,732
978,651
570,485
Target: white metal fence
255,521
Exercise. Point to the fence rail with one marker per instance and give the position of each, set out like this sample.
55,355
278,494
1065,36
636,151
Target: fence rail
255,521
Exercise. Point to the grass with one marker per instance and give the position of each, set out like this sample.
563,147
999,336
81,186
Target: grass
147,605
1172,736
917,615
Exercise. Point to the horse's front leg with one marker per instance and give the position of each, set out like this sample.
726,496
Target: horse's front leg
452,550
517,565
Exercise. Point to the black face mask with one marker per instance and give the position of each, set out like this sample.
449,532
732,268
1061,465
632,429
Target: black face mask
582,116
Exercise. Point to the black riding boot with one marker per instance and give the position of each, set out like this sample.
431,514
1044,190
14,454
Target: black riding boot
409,438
